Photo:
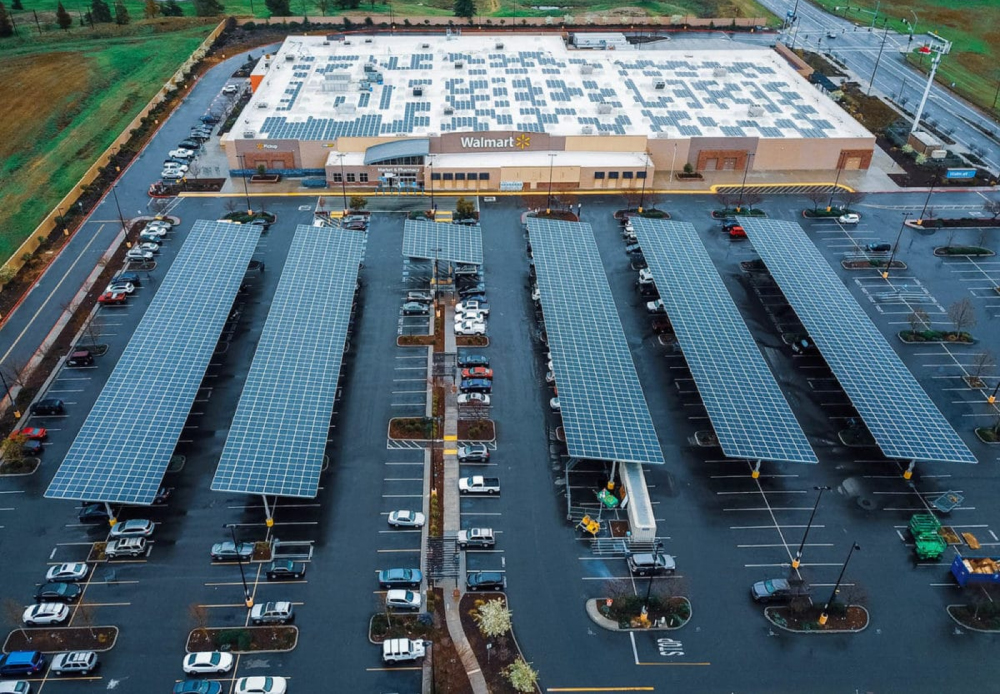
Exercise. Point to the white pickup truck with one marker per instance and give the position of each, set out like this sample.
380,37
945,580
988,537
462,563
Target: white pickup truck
476,537
478,484
397,650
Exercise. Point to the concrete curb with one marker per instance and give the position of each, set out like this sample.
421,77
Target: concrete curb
97,650
600,620
819,631
947,609
249,628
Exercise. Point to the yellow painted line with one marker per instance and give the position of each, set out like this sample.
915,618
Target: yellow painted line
451,437
104,604
600,689
450,451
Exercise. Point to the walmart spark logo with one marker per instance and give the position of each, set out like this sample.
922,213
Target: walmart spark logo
522,141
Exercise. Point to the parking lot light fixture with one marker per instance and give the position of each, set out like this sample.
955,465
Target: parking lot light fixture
548,200
246,190
343,181
833,191
17,412
798,554
649,588
993,396
248,599
895,246
746,170
836,586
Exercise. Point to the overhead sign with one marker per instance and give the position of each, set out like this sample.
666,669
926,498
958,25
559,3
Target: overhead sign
960,173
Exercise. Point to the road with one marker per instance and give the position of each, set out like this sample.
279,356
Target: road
858,48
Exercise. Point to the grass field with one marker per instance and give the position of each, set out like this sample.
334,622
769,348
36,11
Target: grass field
64,103
972,25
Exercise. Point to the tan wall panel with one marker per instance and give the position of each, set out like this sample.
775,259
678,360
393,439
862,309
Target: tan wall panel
662,153
540,174
606,143
805,155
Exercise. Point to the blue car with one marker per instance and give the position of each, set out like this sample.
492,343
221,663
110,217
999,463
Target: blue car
21,663
476,385
197,687
400,578
471,360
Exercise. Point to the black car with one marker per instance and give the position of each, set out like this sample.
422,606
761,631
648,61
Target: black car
879,247
94,513
285,570
468,291
189,144
476,385
80,357
58,592
48,406
486,580
32,448
130,277
469,361
209,118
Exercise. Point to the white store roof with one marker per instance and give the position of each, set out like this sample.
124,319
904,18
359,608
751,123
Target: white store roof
319,89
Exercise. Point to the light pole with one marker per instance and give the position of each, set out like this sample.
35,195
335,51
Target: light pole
927,90
992,399
246,190
746,170
673,160
833,191
885,25
892,256
343,180
121,217
792,22
649,588
836,586
798,554
17,412
430,165
920,220
642,193
548,201
913,27
239,560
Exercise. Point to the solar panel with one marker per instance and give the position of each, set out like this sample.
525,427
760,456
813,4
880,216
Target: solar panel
749,413
278,436
127,440
455,243
604,412
904,421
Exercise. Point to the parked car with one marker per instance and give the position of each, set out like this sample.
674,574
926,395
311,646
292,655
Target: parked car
473,453
550,377
473,305
181,153
48,406
402,600
32,448
74,663
400,650
400,578
475,537
771,590
189,144
80,357
471,360
261,685
21,663
476,385
849,218
474,399
420,297
272,613
486,580
471,290
126,547
120,288
211,118
183,168
735,230
128,276
45,613
154,236
656,306
415,308
15,687
68,572
554,404
230,551
94,513
285,570
137,527
878,247
649,564
31,433
137,253
208,663
197,687
113,298
406,519
470,328
58,592
150,246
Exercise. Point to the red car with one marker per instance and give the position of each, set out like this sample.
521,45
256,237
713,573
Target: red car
112,298
31,433
477,372
737,232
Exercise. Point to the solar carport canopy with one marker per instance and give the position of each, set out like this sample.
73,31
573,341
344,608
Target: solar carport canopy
127,440
904,421
603,409
278,437
749,413
453,243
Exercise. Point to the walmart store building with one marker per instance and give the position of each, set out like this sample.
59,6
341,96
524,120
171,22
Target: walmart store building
500,112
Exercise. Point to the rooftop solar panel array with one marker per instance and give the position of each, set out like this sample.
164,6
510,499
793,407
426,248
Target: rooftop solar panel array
750,415
127,440
603,409
454,243
278,436
904,421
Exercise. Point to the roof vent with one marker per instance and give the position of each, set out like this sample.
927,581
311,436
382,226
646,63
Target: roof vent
659,84
586,69
326,43
347,42
368,40
425,45
261,104
587,130
249,133
498,46
755,110
289,57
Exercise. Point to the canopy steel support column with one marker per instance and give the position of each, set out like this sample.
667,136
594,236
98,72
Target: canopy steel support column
267,512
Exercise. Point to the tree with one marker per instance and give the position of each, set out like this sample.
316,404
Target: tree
465,8
6,26
992,207
62,17
981,363
279,8
521,675
817,196
208,8
465,209
121,14
171,9
323,5
348,5
852,197
359,202
199,616
152,9
12,450
918,320
751,199
100,12
727,200
962,314
493,618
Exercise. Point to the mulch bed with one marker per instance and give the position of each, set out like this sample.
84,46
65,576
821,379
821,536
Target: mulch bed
972,251
472,341
476,430
255,639
561,215
25,466
449,673
401,627
57,640
503,652
619,528
418,428
870,264
909,336
415,340
852,619
966,616
673,611
956,223
917,176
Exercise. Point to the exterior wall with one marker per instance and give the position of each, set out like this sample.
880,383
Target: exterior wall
806,155
703,150
606,143
284,152
669,154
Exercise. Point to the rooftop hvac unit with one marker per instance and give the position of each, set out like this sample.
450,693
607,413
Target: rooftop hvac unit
448,110
289,57
938,153
261,104
326,43
347,42
587,130
498,46
425,45
249,133
370,67
604,108
368,40
418,91
659,84
459,64
586,69
719,72
755,110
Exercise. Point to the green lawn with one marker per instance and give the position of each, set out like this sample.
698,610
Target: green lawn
973,26
64,103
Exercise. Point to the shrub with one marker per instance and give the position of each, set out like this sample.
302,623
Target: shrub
238,638
688,169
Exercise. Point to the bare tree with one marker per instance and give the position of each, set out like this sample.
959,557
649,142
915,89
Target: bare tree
727,200
93,329
193,170
86,616
158,205
981,363
199,617
12,611
816,196
232,204
992,207
962,314
852,197
918,320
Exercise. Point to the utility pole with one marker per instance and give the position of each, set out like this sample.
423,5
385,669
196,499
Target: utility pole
885,24
927,90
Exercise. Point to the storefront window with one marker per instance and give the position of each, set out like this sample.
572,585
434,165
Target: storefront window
640,174
612,174
598,174
337,178
460,177
435,177
448,176
484,176
363,177
350,178
626,174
